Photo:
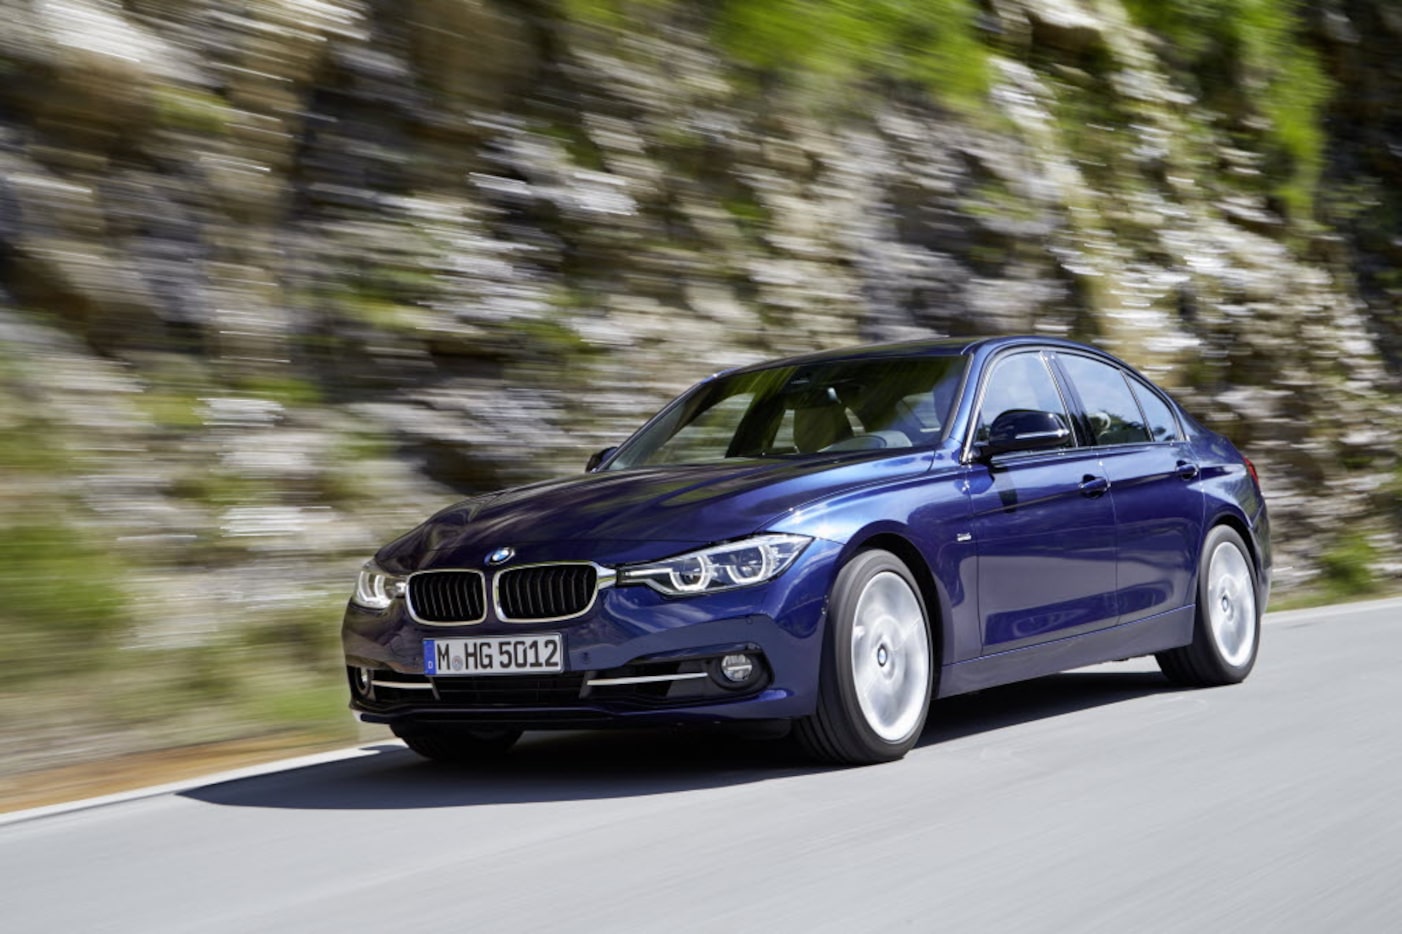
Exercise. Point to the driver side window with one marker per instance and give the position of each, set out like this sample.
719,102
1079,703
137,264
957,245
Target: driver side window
1021,382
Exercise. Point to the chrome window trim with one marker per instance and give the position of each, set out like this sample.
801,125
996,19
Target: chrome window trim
1137,382
413,614
603,578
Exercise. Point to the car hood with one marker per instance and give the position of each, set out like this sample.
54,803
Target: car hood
637,514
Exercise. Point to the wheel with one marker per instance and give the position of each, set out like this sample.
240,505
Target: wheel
457,745
1227,631
877,671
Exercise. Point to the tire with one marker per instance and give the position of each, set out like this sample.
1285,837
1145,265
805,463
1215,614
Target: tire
877,673
1227,631
456,745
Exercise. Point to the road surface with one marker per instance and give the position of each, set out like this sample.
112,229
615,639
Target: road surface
1101,800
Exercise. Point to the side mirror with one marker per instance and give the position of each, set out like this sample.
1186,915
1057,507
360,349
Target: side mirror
598,457
1025,430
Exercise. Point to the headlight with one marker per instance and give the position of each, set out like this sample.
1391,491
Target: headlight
720,567
374,589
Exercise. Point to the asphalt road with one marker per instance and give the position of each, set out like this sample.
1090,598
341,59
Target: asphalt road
1102,800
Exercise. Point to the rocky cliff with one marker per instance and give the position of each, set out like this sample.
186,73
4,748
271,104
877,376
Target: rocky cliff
276,279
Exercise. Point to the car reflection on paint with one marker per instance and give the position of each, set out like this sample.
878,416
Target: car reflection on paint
830,540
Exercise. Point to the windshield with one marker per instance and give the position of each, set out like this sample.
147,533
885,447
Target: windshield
848,405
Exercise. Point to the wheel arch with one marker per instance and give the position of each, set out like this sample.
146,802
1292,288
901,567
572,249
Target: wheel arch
930,591
1241,527
1208,660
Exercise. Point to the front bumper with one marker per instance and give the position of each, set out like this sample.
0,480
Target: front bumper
636,657
687,687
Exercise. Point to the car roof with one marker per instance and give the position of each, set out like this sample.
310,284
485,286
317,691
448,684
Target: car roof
931,347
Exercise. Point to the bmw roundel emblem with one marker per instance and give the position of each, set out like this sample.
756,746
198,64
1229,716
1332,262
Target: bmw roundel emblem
501,555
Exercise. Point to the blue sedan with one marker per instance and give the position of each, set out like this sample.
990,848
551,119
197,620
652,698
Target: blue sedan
831,540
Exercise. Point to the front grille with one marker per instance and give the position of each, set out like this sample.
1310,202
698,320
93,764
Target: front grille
546,591
560,690
447,597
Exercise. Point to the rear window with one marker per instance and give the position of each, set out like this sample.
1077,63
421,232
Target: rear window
1158,414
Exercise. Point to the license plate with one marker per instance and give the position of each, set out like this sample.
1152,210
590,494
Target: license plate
495,655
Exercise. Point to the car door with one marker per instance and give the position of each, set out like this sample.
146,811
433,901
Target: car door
1158,506
1043,526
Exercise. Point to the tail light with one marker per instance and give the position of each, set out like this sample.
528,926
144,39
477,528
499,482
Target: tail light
1251,469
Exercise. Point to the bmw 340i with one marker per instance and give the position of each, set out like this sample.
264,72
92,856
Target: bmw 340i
831,540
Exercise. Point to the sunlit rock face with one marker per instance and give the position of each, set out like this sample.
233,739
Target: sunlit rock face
278,278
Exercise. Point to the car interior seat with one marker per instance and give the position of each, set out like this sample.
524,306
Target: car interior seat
816,427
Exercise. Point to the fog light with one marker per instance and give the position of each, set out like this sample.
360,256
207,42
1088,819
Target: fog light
737,668
363,677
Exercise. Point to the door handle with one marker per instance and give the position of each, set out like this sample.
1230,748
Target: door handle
1093,486
1186,470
